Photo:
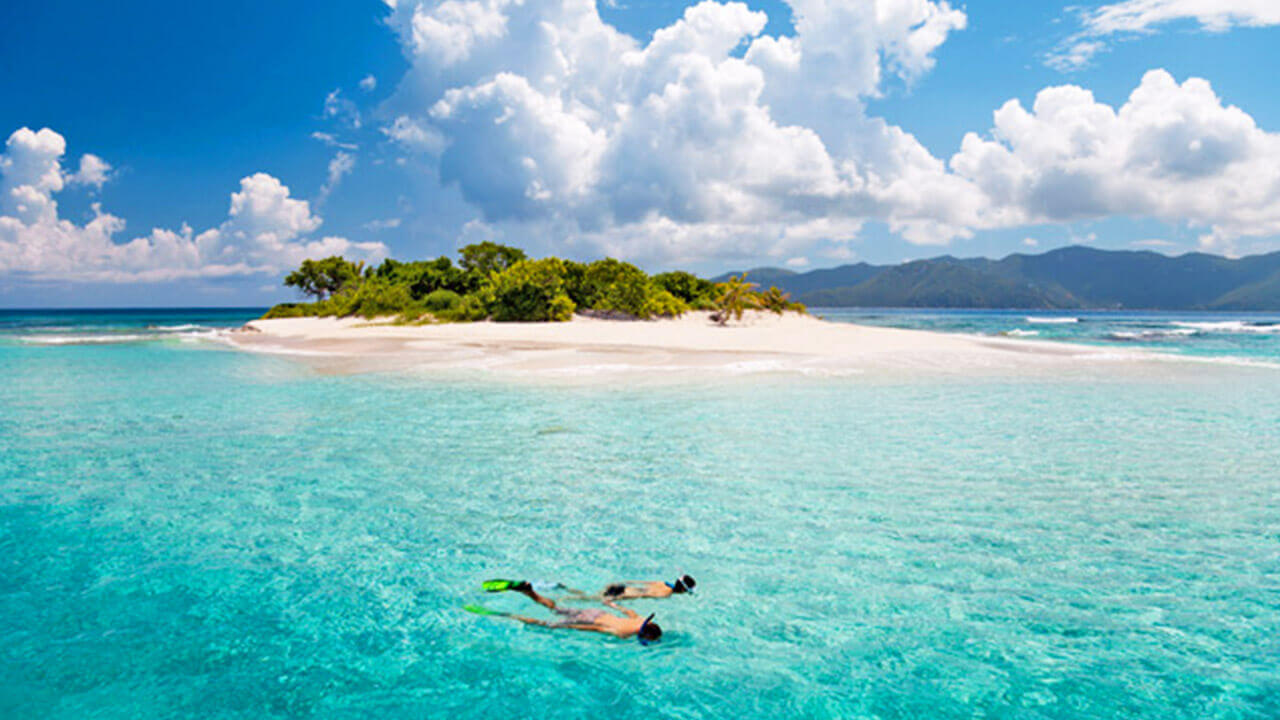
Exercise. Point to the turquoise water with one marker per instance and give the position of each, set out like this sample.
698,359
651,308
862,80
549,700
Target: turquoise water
1248,338
189,531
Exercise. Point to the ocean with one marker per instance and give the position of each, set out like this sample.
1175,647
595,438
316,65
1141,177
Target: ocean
187,530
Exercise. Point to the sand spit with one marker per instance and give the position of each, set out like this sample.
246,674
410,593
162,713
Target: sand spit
762,342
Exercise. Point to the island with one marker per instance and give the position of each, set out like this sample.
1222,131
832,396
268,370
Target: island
498,309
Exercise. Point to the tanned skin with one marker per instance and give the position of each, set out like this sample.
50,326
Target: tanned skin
636,589
607,623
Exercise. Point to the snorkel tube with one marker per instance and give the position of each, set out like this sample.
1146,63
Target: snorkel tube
643,626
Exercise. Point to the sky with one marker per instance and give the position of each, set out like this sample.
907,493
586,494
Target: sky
191,154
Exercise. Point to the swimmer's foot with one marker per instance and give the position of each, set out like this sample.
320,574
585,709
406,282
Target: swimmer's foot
522,586
482,610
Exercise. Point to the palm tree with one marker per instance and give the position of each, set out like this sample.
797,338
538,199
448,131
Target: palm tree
775,300
736,297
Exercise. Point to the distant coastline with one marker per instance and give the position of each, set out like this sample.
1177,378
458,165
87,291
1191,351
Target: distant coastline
1071,278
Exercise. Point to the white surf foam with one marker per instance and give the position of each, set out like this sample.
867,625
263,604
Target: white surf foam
117,338
1231,326
1140,335
1051,320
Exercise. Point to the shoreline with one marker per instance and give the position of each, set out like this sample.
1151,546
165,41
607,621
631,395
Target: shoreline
688,345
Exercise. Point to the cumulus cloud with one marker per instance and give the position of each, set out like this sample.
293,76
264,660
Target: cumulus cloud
710,134
93,171
1172,152
714,140
266,230
1134,17
369,83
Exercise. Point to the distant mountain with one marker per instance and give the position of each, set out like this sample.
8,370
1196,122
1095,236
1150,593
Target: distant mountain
1070,277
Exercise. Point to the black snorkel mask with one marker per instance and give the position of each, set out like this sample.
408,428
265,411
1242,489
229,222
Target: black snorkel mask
684,584
640,632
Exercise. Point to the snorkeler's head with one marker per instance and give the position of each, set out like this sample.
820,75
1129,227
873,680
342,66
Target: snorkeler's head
684,584
649,631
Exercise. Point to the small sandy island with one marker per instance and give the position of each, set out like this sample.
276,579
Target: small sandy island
761,342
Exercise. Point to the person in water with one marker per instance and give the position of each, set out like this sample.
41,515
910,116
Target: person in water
635,589
585,619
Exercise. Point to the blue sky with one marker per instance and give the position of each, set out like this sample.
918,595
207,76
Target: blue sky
411,131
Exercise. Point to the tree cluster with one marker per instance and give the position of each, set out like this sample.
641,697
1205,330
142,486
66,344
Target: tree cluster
502,283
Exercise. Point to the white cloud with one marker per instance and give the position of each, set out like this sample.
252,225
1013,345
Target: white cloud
1153,242
1172,152
542,114
712,140
93,171
1213,15
341,165
413,136
1030,242
266,230
798,261
332,140
384,224
1134,17
341,109
369,83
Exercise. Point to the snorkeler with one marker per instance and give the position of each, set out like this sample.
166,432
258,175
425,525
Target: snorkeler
587,619
634,589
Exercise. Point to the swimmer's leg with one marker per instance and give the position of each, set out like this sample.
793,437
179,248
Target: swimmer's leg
528,592
529,621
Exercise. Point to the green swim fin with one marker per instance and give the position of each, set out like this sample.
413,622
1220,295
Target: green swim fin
502,585
481,610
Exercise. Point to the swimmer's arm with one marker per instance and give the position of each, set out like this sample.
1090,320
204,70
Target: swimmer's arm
625,611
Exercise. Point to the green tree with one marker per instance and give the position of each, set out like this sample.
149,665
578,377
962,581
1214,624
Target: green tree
323,278
530,290
736,297
616,286
481,260
686,286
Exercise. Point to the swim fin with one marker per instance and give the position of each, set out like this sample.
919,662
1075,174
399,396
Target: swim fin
481,610
503,585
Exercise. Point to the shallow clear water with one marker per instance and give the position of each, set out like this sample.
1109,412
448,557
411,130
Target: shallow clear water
188,531
1247,338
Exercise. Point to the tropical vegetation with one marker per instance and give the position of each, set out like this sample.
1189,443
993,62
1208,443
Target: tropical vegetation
502,283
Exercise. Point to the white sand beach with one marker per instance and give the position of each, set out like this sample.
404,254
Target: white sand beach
762,342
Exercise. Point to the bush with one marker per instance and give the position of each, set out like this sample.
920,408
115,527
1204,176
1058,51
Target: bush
688,287
530,290
441,301
375,298
290,310
612,285
664,304
470,309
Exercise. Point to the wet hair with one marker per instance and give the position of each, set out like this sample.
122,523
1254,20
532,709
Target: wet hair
650,632
615,590
683,584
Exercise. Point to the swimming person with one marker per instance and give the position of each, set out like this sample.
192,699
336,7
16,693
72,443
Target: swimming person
586,619
634,589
